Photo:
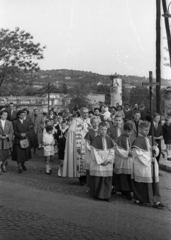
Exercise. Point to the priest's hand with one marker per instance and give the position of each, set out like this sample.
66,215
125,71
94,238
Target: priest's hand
3,137
105,163
154,148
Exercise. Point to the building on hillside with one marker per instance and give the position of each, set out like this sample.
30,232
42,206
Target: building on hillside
99,83
37,85
56,100
67,78
95,99
29,102
128,87
59,100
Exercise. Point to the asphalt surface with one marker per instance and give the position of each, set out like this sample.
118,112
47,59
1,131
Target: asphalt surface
36,206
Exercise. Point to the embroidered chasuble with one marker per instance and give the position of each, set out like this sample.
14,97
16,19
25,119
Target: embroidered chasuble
74,165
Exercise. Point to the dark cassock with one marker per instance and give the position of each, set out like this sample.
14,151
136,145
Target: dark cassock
142,171
102,150
123,165
92,133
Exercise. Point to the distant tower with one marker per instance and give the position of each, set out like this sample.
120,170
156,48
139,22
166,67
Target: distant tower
115,90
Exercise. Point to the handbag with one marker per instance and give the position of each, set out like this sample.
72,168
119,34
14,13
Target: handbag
24,143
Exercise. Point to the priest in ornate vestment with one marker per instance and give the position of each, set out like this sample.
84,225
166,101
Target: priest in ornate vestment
75,148
144,189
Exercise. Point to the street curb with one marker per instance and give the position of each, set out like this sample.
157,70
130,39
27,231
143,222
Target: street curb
165,167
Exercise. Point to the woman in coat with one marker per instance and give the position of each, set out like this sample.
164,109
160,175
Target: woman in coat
6,135
32,135
21,131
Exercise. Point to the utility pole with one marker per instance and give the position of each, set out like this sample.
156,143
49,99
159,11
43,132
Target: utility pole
158,56
167,29
48,88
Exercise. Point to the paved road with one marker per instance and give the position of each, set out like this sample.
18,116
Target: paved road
34,206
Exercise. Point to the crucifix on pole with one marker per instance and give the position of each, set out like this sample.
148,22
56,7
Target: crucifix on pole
151,85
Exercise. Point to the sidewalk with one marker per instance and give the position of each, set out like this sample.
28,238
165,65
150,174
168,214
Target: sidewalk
165,165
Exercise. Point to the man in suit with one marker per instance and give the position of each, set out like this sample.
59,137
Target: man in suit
12,113
117,129
144,111
6,135
128,113
38,125
135,122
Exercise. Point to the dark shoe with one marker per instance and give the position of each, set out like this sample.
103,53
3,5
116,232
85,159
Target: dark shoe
24,167
82,183
139,203
108,200
4,170
159,205
169,159
48,173
124,193
113,191
129,196
19,170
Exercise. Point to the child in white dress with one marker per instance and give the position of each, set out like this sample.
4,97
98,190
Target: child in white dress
48,144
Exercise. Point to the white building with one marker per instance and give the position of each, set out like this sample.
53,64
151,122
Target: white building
95,98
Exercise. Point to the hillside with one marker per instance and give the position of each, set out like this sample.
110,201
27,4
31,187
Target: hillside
65,80
75,76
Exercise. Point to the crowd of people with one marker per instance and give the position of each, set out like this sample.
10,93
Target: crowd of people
109,149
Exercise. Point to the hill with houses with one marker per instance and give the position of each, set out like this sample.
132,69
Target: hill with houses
73,77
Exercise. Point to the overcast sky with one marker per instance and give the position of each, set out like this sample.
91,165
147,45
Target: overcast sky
102,36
